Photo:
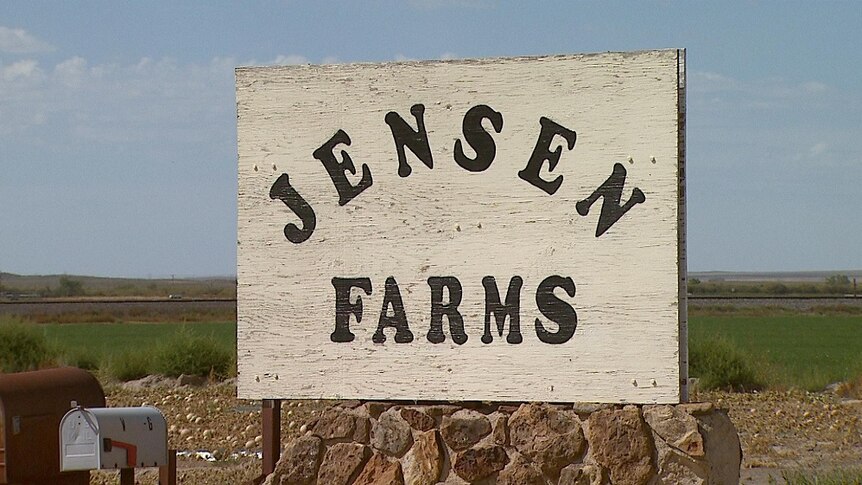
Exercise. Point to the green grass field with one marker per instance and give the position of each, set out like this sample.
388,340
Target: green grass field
802,351
105,339
784,350
126,351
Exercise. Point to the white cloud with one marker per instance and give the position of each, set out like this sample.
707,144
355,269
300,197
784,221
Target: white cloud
114,103
709,82
282,60
815,87
144,99
402,58
71,72
762,92
19,41
279,60
447,56
818,149
27,69
774,121
819,153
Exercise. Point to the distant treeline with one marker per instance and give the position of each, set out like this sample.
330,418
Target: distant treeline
15,286
838,284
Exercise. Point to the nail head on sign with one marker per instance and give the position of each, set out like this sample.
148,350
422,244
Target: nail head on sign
652,159
631,160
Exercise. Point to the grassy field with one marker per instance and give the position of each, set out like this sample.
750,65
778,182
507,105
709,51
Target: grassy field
806,351
121,351
781,349
106,339
793,350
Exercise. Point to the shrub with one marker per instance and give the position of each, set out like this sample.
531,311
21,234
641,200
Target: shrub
720,365
850,389
23,347
70,287
82,359
193,355
777,288
838,282
128,366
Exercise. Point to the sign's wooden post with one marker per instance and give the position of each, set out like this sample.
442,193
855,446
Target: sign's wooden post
495,230
271,415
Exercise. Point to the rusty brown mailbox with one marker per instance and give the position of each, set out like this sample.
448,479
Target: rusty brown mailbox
31,407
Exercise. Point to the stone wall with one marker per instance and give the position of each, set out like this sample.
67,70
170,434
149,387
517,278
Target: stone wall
531,444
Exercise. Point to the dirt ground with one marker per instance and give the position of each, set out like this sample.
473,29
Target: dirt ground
779,430
793,431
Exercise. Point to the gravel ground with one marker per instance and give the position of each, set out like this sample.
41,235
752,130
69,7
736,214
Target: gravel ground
779,430
793,431
208,419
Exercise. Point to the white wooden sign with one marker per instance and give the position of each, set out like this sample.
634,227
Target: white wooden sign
497,229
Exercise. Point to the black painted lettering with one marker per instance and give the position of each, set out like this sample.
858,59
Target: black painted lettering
344,308
416,140
397,320
611,191
481,141
337,170
512,309
282,190
556,310
438,309
542,153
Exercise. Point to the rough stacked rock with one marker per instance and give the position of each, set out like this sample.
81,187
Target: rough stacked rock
620,442
379,443
550,437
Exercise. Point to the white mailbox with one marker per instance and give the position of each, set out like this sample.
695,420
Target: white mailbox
105,438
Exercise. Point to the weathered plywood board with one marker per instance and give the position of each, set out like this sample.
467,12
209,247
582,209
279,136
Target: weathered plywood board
570,134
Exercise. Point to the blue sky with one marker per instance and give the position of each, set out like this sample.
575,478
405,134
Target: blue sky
118,123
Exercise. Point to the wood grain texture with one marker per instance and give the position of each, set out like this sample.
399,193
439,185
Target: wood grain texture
447,221
681,230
